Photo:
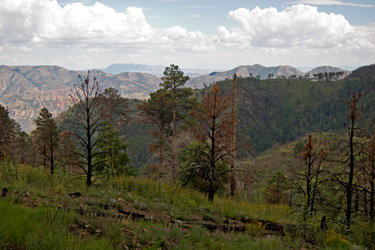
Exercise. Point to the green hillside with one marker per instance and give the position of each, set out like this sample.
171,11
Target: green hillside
40,212
291,195
282,110
275,111
284,158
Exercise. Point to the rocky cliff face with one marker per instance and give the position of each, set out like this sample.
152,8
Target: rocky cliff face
24,90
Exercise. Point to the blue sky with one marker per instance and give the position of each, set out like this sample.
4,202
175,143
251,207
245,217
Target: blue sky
193,34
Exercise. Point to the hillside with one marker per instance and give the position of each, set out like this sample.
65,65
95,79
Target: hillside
156,70
281,110
286,109
323,69
26,89
261,72
283,158
131,213
269,211
244,71
364,71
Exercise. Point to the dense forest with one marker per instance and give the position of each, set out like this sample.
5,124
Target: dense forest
234,163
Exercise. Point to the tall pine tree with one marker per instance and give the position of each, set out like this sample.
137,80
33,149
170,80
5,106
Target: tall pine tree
46,138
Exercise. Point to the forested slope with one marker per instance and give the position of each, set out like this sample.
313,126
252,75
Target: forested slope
275,111
281,110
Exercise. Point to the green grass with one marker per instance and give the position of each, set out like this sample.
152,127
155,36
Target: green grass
41,228
30,218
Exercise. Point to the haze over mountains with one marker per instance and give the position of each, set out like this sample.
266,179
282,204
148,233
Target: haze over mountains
24,90
156,70
260,71
199,77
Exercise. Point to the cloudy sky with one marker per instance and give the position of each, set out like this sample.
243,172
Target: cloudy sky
209,34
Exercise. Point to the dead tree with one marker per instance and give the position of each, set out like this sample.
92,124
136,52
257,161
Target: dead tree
86,101
234,137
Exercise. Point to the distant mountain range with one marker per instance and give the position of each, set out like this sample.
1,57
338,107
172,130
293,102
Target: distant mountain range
24,90
156,70
257,71
200,76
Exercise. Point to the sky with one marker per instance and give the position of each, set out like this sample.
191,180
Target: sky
201,34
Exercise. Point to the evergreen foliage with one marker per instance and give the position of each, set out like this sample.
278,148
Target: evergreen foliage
112,157
46,139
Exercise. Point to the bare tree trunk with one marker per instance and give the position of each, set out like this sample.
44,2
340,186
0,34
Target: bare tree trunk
211,191
356,201
52,156
89,148
372,192
365,203
349,187
234,137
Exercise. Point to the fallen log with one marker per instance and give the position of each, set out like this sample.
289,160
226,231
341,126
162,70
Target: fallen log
132,214
268,225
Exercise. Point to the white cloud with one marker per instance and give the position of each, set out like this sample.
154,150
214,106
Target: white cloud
34,31
332,2
296,26
298,34
22,48
46,22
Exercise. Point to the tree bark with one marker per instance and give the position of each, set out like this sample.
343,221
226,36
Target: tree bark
234,137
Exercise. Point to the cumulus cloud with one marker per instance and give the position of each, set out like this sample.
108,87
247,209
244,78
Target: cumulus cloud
295,26
46,22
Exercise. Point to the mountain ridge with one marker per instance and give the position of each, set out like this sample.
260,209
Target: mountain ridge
24,90
257,70
156,70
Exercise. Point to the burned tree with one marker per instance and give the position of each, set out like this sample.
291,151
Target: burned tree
88,119
312,158
351,149
206,160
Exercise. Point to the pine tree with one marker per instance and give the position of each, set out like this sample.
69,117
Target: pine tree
169,110
6,132
46,138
